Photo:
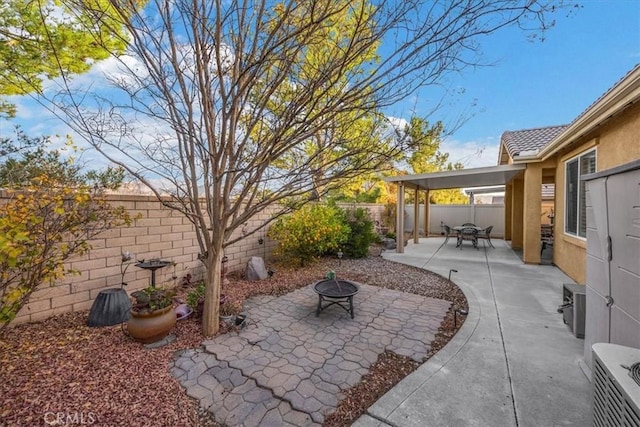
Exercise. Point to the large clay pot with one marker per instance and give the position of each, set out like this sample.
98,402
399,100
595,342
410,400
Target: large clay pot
151,327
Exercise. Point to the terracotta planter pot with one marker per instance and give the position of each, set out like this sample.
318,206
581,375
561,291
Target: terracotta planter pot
151,327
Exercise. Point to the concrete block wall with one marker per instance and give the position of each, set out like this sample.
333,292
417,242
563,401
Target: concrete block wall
376,211
158,232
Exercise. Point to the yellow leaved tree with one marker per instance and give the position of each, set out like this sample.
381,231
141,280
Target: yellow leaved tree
49,211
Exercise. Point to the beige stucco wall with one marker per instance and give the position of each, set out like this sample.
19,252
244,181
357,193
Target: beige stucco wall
531,213
617,142
517,213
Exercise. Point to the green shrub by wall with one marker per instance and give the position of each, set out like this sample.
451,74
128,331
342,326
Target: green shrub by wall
362,233
309,233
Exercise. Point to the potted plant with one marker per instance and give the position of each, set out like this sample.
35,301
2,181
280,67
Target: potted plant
228,312
195,299
152,315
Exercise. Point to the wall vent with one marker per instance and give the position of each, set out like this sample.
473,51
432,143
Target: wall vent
616,396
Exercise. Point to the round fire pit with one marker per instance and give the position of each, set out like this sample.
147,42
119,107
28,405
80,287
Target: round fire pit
335,291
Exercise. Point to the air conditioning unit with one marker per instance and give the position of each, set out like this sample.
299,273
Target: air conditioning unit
574,307
616,395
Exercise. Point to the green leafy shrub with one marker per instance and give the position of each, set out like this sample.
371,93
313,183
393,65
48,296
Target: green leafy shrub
195,295
309,233
195,300
362,233
230,308
388,217
151,299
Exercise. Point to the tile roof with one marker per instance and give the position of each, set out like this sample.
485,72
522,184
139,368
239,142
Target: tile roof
636,67
530,140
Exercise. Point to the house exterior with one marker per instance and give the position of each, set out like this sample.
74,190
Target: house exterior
525,207
593,165
604,136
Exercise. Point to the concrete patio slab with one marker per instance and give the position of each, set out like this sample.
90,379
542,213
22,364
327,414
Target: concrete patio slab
513,363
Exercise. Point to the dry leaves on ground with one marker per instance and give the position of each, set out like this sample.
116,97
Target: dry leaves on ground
62,370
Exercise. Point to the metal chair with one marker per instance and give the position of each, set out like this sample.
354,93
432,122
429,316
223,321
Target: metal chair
468,233
447,233
487,235
546,236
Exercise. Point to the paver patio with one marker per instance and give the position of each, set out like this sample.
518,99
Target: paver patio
289,367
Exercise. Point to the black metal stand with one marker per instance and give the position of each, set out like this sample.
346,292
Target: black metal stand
335,291
152,265
340,301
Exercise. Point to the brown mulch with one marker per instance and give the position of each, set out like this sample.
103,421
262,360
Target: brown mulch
60,369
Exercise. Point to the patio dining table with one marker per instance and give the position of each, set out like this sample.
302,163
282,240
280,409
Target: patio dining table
458,229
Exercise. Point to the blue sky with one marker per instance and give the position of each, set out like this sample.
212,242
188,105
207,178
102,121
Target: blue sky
537,84
530,84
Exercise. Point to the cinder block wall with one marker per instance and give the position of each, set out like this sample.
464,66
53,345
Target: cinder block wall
158,233
376,210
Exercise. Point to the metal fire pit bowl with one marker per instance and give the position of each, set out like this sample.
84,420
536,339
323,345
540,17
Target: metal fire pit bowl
335,291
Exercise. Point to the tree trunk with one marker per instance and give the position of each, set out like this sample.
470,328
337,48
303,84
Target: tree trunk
210,321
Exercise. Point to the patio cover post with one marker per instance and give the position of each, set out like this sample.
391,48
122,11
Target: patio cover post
517,213
473,210
532,212
400,219
416,214
426,213
508,200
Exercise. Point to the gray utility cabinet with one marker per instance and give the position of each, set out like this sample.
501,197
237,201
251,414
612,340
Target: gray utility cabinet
613,258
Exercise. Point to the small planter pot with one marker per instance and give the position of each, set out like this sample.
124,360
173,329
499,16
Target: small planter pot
151,327
200,305
229,320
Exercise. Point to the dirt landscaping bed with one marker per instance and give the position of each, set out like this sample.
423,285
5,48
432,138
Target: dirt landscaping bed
62,371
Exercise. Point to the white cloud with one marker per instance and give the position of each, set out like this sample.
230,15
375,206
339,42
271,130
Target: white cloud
397,122
473,154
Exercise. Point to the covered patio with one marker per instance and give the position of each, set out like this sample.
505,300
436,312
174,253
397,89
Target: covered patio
522,214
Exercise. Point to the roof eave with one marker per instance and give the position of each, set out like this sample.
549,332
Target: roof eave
535,158
625,93
463,178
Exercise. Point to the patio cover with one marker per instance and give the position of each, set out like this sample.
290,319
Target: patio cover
463,178
476,177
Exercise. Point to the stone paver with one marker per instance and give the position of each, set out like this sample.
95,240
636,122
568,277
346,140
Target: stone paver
288,367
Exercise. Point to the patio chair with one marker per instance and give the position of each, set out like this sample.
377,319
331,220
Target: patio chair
468,233
546,236
447,233
487,235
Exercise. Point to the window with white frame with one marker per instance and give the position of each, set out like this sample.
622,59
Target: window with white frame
575,221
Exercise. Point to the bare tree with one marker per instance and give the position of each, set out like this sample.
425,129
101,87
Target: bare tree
235,106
